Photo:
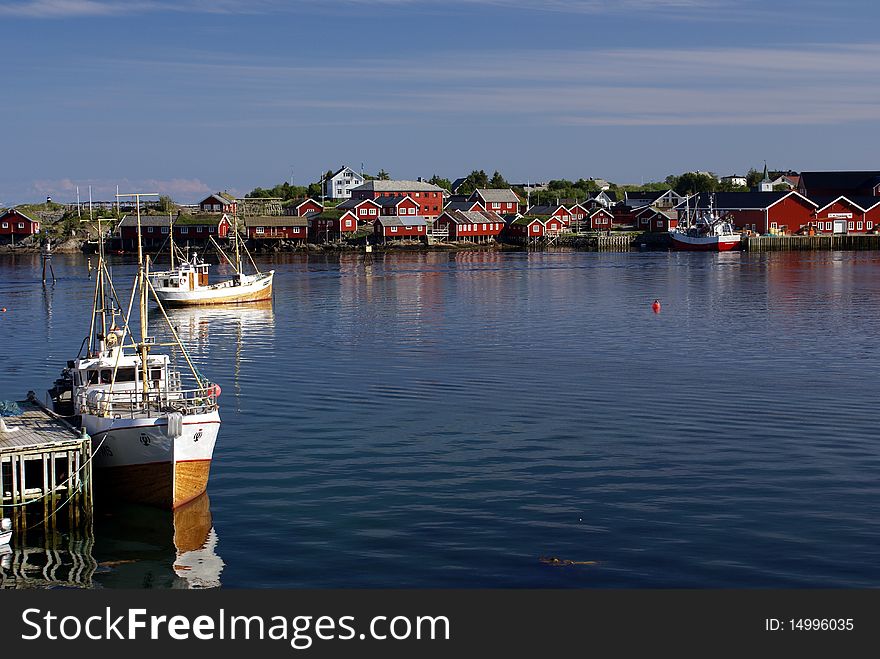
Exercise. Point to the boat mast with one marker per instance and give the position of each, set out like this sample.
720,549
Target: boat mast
171,237
143,348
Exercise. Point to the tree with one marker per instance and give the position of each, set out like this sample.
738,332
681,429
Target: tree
497,181
166,203
383,175
693,182
753,177
476,179
444,183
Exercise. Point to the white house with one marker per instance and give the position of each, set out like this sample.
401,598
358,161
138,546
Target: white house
734,179
340,184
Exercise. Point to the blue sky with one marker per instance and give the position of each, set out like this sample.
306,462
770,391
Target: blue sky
191,96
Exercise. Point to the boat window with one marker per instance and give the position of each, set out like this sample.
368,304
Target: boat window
125,374
155,373
93,377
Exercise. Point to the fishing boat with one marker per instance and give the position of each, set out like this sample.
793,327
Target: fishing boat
187,283
704,230
153,424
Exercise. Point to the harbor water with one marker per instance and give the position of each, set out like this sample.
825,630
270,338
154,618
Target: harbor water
450,419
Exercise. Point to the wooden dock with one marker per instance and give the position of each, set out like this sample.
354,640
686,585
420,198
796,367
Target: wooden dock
804,243
45,466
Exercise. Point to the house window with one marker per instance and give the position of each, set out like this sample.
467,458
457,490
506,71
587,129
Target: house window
495,204
484,227
412,211
348,223
212,229
870,225
21,225
198,229
260,230
296,229
149,229
773,225
859,226
184,230
393,229
850,225
372,211
164,230
821,226
409,228
6,225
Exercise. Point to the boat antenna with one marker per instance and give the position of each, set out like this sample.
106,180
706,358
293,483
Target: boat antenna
171,237
143,347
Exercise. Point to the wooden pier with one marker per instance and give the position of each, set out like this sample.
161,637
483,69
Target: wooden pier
804,243
45,468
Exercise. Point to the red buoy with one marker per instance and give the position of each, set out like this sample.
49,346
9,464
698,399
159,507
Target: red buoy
656,306
215,390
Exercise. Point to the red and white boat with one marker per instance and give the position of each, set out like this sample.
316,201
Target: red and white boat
705,231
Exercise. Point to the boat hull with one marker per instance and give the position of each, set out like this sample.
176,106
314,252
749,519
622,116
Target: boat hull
254,290
686,243
138,459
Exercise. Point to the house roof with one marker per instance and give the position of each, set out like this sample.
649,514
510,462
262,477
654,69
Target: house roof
824,201
342,169
391,202
545,209
741,200
309,200
472,217
398,186
608,193
528,219
504,195
276,221
15,211
222,197
460,205
354,203
457,183
407,220
848,180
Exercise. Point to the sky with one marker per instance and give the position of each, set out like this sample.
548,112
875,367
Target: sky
189,97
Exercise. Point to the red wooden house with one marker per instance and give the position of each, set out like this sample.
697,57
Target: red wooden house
398,205
529,228
222,202
472,226
429,197
556,211
761,212
836,215
501,201
601,219
307,206
465,205
366,210
393,227
15,226
331,225
277,227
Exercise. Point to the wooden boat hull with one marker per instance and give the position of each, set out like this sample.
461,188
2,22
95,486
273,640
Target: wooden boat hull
255,291
136,460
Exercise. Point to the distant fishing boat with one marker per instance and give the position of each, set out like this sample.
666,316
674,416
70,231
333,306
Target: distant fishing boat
705,231
153,426
187,283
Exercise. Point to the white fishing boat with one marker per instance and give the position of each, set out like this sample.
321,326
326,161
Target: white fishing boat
153,425
187,283
704,230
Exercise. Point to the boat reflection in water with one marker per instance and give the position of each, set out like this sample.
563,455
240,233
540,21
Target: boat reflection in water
130,546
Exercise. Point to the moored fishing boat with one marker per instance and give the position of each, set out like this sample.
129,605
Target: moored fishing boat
153,425
187,284
705,231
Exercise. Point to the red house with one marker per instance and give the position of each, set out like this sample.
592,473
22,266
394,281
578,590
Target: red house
843,215
429,197
366,210
530,228
557,211
306,206
601,219
501,201
15,225
465,205
331,224
392,227
398,205
473,226
222,202
155,229
277,227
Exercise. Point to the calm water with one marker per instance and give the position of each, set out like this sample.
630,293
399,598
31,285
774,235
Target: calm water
448,419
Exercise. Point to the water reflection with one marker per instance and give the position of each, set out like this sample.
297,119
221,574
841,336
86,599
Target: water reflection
136,547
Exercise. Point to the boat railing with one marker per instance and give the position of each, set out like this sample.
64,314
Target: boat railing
135,404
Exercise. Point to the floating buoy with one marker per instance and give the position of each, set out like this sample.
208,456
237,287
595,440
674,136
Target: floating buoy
215,390
656,306
3,309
